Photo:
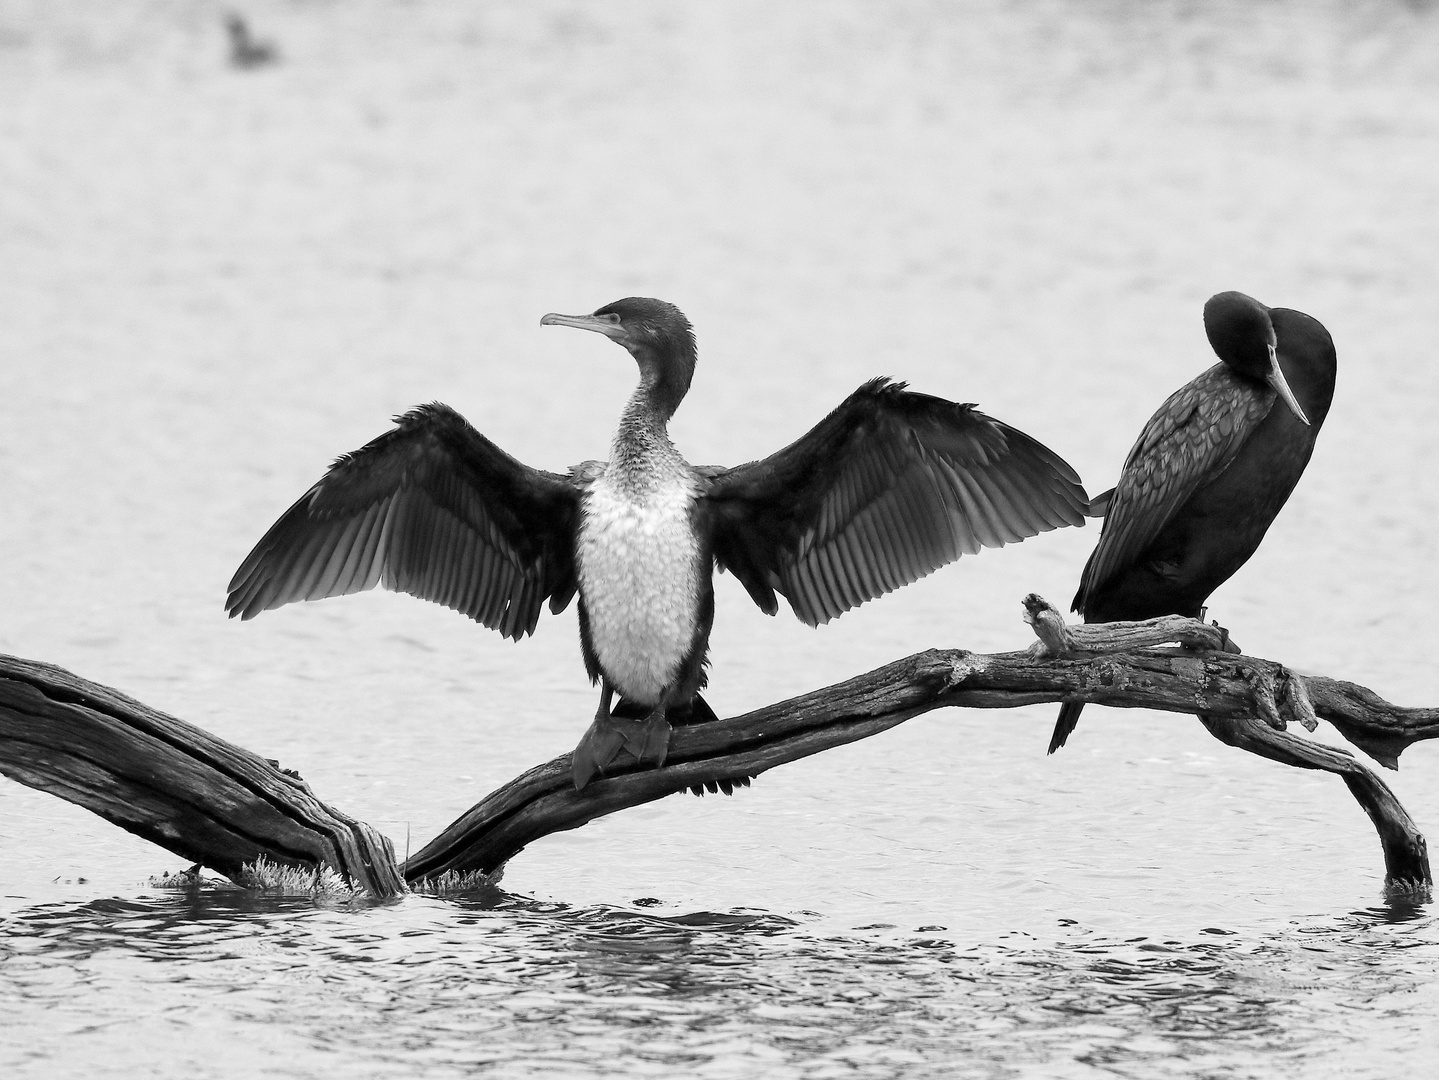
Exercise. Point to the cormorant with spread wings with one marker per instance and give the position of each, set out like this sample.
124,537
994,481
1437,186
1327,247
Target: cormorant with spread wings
887,488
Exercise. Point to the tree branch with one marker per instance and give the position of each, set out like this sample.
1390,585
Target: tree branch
224,807
204,799
1069,663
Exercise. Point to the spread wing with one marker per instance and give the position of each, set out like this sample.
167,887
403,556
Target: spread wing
431,508
1187,443
889,487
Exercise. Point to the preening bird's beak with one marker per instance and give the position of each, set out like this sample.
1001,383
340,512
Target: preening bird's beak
612,330
1276,380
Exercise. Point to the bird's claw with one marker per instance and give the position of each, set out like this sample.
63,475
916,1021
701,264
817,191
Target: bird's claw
645,741
1226,643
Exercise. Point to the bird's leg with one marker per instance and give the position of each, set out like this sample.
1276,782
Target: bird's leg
601,742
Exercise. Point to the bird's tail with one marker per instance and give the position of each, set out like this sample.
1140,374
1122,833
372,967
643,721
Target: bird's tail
699,712
1064,726
696,712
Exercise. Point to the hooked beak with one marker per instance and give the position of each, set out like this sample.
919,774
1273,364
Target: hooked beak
612,330
1275,378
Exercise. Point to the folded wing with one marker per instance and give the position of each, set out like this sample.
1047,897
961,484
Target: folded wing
1187,443
889,487
431,508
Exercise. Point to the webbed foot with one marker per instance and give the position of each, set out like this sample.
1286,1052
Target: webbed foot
601,744
644,740
650,739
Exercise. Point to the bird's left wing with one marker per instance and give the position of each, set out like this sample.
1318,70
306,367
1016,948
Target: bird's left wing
431,508
889,487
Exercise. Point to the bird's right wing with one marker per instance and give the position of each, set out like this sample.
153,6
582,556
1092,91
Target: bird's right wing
431,508
1190,440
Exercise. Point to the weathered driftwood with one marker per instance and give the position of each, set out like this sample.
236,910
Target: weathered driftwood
221,806
1108,664
1381,730
204,799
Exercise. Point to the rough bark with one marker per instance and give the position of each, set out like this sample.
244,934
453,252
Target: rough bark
1108,664
204,799
223,807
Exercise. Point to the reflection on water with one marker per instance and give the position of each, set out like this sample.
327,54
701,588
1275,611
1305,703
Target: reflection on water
447,985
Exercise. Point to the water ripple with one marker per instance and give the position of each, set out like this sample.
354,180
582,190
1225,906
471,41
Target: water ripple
546,989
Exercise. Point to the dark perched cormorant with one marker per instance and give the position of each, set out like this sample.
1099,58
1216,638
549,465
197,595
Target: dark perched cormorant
1210,471
887,488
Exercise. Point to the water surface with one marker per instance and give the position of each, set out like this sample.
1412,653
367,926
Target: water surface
213,281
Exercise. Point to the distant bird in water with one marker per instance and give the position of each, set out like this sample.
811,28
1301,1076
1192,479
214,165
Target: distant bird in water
1210,471
887,488
245,50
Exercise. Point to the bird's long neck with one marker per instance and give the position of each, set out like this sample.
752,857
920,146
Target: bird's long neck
642,455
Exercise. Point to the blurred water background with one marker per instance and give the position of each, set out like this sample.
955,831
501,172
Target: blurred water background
213,280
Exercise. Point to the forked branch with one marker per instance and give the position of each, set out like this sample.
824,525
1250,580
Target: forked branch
1114,664
222,806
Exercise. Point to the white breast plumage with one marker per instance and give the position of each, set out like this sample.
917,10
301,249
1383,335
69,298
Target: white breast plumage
640,580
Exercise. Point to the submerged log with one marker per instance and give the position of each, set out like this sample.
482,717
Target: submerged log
222,807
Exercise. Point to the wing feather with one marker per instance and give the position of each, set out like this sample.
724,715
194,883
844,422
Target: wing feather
446,567
966,542
491,584
340,556
358,567
887,488
866,579
318,550
830,577
1188,442
1009,520
865,539
900,521
981,513
431,508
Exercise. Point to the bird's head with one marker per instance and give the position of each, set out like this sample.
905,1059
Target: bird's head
657,335
1242,335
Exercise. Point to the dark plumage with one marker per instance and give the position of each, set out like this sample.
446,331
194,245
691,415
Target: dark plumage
887,488
1210,471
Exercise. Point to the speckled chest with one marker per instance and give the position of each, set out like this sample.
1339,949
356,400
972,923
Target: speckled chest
640,575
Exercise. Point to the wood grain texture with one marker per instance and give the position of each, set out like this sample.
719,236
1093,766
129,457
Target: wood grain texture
1246,699
219,805
193,794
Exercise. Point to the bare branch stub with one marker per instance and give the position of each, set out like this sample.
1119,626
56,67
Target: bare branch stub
1060,638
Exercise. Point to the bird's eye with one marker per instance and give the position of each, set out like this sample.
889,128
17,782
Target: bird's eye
612,317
